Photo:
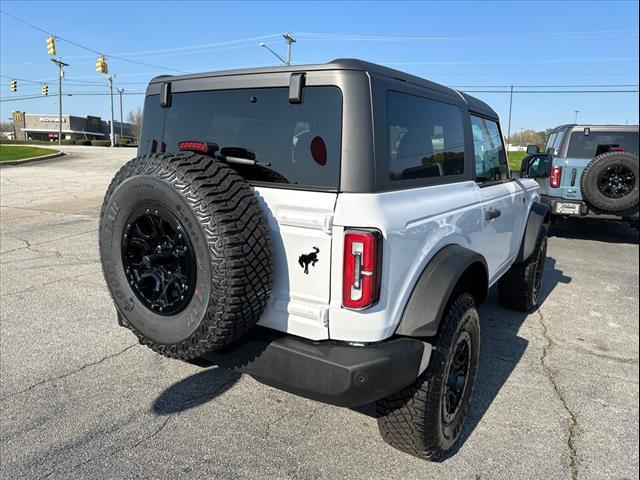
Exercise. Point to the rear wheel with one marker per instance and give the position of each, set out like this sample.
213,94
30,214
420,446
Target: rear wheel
186,253
426,418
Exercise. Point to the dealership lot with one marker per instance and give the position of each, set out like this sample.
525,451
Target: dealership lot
557,393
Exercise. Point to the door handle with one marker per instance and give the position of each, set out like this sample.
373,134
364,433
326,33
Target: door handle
492,214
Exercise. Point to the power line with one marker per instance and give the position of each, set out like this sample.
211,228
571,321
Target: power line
118,57
552,91
73,94
342,37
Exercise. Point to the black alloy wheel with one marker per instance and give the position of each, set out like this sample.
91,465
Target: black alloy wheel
616,181
159,260
457,377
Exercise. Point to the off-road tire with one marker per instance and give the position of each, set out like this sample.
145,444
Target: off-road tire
520,288
231,243
412,420
592,175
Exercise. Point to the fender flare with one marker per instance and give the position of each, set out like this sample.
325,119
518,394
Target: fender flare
431,293
538,216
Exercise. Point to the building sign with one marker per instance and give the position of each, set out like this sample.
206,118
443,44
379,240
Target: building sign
18,116
52,119
93,123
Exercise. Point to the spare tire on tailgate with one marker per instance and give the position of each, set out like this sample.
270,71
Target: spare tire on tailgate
609,183
186,253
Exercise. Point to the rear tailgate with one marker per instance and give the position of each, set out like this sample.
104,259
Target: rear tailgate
572,169
300,224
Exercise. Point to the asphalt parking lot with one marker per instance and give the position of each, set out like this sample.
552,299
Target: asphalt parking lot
556,397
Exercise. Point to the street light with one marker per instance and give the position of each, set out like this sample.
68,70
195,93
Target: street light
264,45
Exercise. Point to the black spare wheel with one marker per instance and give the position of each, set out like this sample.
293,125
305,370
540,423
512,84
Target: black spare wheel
610,183
186,253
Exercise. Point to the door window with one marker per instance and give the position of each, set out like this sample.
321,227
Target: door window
490,158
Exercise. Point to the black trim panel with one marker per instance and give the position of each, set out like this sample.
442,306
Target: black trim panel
535,222
327,371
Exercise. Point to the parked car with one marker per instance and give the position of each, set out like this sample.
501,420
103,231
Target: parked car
356,214
588,171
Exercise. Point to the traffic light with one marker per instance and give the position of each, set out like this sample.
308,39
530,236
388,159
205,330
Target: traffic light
45,89
51,45
14,86
101,65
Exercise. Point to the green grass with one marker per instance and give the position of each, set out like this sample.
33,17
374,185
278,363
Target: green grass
515,159
14,152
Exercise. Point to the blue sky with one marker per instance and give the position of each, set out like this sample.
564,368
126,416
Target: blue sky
458,44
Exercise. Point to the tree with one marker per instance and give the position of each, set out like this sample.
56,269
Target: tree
135,119
6,127
530,137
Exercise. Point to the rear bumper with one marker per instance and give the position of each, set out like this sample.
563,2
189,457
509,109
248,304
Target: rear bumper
330,372
585,211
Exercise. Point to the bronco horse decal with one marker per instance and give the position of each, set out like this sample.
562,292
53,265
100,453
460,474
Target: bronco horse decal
309,258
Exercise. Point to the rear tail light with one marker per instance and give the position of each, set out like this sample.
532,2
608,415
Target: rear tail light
556,175
361,269
616,149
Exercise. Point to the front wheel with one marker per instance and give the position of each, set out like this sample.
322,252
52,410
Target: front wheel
426,418
521,287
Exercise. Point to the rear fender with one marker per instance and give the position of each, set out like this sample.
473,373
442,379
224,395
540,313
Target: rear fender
452,266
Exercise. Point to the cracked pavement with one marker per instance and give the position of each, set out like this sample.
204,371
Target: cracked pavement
556,396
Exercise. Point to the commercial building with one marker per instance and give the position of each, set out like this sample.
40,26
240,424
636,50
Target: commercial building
30,126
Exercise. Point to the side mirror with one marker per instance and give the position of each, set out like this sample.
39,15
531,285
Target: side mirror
536,166
532,149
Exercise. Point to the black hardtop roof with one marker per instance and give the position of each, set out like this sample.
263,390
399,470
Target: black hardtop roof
594,125
473,103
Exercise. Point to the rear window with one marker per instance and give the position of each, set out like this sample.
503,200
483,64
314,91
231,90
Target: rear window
589,146
301,142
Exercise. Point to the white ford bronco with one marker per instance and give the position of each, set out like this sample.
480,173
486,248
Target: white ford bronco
327,229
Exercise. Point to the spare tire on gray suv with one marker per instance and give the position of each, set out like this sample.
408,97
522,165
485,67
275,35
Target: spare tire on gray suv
186,253
609,184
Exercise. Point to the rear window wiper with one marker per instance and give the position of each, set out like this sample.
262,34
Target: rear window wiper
240,156
235,155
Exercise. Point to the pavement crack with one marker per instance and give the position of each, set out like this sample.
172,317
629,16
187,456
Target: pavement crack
38,287
67,374
573,420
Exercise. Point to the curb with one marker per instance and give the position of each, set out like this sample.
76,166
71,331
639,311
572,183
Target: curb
33,159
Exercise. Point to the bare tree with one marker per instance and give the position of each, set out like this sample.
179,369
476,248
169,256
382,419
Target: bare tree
6,127
135,119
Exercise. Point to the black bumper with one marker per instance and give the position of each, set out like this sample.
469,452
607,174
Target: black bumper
329,372
585,211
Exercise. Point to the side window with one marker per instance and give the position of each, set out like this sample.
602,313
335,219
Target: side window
552,139
557,142
490,158
426,137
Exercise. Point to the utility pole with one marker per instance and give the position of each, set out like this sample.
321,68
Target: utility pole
120,91
290,41
509,127
575,120
110,78
60,64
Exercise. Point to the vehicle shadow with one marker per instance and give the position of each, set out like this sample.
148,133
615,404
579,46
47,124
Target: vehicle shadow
193,391
501,349
595,229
